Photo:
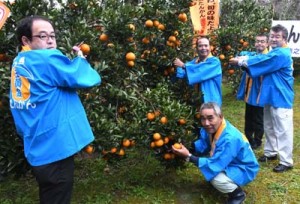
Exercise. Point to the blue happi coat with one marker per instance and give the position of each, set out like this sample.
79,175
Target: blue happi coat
47,111
209,74
249,87
229,152
277,87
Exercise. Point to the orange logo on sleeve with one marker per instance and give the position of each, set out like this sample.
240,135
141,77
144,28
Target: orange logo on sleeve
20,85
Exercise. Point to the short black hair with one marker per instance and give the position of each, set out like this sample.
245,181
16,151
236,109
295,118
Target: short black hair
277,28
24,27
263,35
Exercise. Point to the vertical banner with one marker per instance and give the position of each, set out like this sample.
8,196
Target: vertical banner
205,16
4,12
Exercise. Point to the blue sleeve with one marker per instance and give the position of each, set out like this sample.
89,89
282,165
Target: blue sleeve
273,61
64,72
202,145
242,87
180,73
203,71
223,155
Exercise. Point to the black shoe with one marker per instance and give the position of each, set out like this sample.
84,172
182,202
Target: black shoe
264,158
281,168
236,197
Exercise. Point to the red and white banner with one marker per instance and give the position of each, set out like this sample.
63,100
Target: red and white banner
205,16
4,12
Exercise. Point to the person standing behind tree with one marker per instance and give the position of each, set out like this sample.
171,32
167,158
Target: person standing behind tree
276,95
206,70
248,91
46,108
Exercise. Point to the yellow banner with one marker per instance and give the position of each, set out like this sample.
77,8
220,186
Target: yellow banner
4,12
205,16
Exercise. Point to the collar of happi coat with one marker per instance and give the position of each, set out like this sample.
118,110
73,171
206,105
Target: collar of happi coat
198,59
216,137
25,48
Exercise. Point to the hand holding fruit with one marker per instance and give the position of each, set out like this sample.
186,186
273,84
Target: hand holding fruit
82,49
180,150
77,50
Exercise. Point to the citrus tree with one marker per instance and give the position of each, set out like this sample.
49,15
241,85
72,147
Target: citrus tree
140,103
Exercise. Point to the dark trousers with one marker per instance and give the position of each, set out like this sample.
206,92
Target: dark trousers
254,124
55,181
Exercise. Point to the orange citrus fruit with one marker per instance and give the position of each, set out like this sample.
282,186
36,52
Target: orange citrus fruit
121,152
156,136
113,150
228,47
172,38
159,143
245,44
161,27
103,37
152,144
167,156
149,23
126,143
85,48
164,120
156,23
177,146
130,56
150,116
145,40
222,56
181,121
131,27
182,17
89,149
130,39
2,57
130,63
197,115
166,140
231,71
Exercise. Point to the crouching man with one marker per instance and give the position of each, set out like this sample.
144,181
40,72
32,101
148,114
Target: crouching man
228,161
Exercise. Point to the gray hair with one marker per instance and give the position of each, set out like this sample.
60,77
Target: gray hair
212,105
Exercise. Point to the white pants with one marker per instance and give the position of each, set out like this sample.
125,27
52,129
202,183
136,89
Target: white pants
279,132
223,183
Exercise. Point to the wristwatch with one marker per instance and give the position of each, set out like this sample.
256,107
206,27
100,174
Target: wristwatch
188,158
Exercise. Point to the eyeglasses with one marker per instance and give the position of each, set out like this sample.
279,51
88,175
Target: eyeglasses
45,37
260,41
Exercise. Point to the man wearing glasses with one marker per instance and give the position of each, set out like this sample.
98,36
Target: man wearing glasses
47,111
248,91
276,95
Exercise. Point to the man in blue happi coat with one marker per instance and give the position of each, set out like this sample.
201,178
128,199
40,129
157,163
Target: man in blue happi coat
46,108
226,158
276,95
204,70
